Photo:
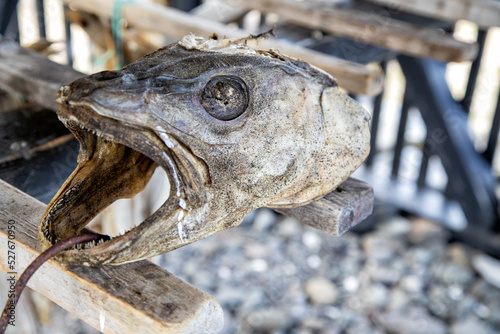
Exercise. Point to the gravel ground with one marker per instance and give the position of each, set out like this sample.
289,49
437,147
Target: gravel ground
272,274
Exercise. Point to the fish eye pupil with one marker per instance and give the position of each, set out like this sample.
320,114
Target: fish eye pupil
224,97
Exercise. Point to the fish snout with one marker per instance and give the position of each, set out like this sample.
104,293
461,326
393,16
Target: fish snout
86,86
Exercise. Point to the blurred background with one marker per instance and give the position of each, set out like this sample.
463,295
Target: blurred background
426,260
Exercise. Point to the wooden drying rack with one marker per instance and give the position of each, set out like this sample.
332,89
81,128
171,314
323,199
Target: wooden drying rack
141,297
136,297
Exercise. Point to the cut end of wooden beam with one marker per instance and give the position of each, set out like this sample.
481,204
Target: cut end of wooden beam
338,211
211,310
374,81
360,206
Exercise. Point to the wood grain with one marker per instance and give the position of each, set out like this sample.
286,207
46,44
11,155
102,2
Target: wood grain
33,74
339,210
357,78
138,297
219,11
368,27
485,13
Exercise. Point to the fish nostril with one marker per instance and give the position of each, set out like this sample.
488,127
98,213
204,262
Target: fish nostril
105,75
63,94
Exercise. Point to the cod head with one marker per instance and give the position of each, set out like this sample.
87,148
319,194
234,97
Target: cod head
234,128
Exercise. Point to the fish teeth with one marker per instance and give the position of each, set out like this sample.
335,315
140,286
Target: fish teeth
71,124
182,203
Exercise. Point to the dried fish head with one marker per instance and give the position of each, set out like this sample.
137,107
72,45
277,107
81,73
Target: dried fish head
235,129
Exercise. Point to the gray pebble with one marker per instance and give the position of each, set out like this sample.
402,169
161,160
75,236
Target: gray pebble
411,321
471,325
321,291
268,319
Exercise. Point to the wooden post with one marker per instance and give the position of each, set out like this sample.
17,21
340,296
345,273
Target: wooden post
137,297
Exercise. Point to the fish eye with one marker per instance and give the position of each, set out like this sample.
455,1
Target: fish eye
224,97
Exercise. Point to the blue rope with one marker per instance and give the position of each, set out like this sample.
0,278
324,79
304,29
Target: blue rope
117,23
102,59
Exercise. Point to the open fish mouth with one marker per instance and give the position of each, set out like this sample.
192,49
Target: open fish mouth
107,171
112,164
234,130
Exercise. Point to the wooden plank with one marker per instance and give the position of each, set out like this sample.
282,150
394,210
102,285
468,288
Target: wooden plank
356,78
339,210
33,74
219,11
485,13
368,27
138,297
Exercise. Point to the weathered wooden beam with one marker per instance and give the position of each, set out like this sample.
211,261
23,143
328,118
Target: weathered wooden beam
219,11
353,77
138,297
485,13
339,210
368,27
33,74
